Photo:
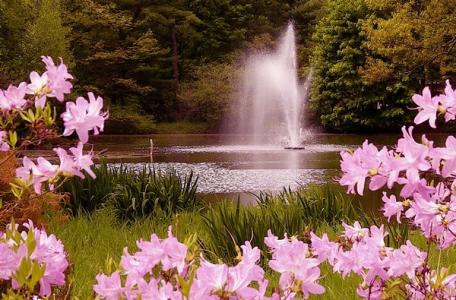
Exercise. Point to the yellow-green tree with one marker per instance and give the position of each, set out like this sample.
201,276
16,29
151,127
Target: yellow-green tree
342,98
412,37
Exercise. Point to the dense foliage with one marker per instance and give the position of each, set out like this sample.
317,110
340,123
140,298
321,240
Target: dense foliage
168,61
34,263
370,56
148,55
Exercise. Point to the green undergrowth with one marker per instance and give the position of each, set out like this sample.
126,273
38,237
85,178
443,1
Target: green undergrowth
292,212
133,193
182,127
92,241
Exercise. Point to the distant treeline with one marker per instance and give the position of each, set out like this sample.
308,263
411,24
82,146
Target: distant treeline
173,60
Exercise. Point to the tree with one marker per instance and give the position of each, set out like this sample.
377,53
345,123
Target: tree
208,96
30,29
175,27
341,98
416,38
119,56
306,15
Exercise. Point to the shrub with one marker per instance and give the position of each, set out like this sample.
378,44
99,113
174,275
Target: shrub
126,120
86,195
32,263
290,212
141,194
133,193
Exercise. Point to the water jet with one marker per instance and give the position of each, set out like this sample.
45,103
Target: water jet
272,99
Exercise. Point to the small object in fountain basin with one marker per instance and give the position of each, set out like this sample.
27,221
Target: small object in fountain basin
294,147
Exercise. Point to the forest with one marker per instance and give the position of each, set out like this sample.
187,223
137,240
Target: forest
157,61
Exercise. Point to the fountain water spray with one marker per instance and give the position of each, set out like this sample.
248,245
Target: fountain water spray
272,99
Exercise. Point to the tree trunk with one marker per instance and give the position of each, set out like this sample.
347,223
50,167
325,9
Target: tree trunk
175,57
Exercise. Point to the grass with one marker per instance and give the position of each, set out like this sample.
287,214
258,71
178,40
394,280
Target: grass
93,240
182,127
292,212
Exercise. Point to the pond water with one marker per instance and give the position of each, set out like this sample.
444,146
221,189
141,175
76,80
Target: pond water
229,165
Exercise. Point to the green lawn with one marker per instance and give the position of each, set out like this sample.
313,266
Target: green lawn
92,241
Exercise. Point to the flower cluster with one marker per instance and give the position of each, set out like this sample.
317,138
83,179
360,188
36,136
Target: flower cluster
362,251
28,103
167,269
298,270
429,107
385,271
30,258
426,201
425,172
44,171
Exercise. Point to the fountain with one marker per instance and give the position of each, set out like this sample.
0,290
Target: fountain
271,97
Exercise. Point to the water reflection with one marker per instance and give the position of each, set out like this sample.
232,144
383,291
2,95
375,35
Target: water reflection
232,165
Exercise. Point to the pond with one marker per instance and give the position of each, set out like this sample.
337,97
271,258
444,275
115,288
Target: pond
227,165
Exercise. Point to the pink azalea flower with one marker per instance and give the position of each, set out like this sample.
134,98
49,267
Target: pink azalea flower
352,261
274,242
428,215
323,248
4,146
357,167
58,78
49,251
411,186
133,267
392,207
414,157
376,236
13,97
292,260
448,154
83,161
38,85
175,253
83,116
40,102
355,232
405,260
151,253
159,290
8,262
36,174
427,107
67,166
108,287
212,279
448,101
449,284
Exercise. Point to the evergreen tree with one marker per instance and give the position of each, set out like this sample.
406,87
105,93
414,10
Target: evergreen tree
306,14
341,98
119,56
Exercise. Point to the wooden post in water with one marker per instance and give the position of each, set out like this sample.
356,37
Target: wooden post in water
151,150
